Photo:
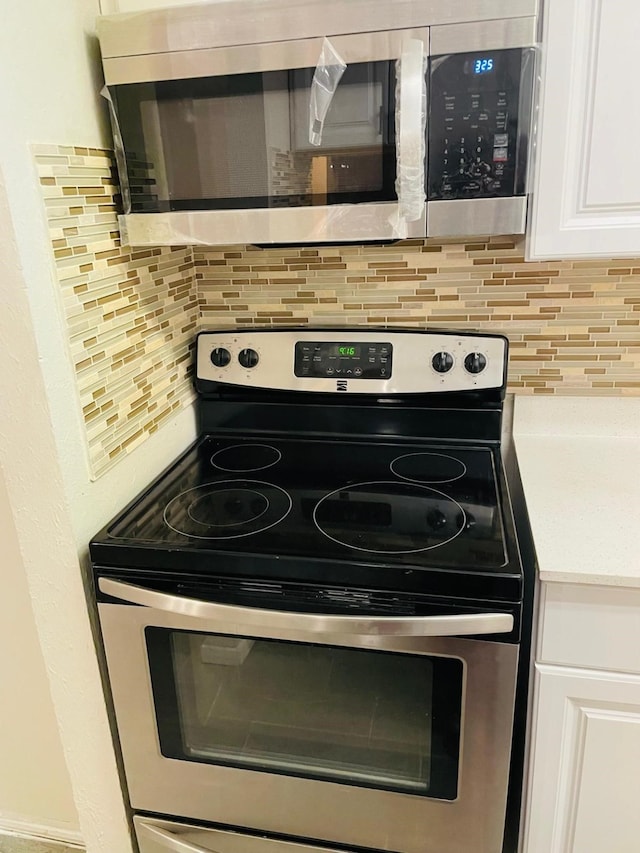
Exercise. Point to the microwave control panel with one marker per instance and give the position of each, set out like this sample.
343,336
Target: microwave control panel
477,138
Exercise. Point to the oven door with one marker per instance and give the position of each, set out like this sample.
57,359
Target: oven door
380,732
272,143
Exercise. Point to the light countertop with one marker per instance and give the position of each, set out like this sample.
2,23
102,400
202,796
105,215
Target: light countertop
579,459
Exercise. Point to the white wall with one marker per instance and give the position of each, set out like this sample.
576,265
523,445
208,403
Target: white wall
110,7
48,60
35,790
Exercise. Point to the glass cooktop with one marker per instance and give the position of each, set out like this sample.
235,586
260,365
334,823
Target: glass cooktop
403,504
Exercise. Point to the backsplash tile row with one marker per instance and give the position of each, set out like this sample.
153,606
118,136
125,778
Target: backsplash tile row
131,314
574,326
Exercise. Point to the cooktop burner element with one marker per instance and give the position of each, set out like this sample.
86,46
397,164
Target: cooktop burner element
242,458
428,467
387,517
228,509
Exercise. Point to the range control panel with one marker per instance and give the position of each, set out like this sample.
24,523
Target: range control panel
477,139
389,361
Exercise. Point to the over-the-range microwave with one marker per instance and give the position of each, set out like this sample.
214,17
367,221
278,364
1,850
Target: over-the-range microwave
312,121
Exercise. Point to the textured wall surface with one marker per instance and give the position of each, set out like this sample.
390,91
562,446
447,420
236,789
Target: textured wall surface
131,314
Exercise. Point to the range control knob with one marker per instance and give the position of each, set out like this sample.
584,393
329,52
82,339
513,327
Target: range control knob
442,362
248,358
475,362
220,357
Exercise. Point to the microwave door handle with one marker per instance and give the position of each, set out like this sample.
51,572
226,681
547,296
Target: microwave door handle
168,841
323,623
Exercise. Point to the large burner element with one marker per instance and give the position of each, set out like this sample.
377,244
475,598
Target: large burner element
387,517
227,509
428,467
241,458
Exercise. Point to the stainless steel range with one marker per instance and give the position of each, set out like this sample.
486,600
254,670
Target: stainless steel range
317,620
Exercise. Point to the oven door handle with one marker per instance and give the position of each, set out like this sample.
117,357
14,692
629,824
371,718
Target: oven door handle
167,840
322,623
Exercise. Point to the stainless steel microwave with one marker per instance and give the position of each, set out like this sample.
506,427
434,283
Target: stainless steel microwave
312,121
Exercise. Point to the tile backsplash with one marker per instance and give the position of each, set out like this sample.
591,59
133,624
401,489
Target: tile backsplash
573,326
131,314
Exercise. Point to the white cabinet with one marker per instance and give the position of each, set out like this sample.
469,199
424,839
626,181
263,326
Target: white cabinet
585,778
586,186
584,774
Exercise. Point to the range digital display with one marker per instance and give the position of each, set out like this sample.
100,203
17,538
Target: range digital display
348,351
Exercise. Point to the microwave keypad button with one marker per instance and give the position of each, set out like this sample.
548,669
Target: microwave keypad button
500,140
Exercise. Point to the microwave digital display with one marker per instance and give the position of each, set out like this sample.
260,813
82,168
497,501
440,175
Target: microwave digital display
483,65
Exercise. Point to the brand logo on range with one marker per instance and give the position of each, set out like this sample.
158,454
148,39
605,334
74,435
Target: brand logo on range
341,385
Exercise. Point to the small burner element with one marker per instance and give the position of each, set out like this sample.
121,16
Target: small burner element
241,458
388,517
227,509
428,467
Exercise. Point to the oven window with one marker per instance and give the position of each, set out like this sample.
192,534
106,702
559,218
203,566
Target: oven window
242,141
359,717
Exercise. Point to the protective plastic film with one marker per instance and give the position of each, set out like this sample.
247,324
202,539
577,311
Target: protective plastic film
358,223
327,75
119,150
411,120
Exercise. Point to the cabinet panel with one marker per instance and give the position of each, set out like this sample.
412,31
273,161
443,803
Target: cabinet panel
584,767
587,194
596,627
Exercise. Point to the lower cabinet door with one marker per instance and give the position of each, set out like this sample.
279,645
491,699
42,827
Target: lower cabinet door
584,775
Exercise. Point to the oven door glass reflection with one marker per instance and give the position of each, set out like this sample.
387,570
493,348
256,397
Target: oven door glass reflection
368,718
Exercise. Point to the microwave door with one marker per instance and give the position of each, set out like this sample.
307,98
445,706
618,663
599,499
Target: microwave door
229,157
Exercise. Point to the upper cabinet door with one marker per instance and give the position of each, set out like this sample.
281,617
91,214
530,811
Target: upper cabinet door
587,177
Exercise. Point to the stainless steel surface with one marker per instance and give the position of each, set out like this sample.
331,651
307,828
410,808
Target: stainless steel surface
320,224
476,217
155,835
411,368
483,35
529,82
244,22
300,807
268,56
220,38
152,838
221,615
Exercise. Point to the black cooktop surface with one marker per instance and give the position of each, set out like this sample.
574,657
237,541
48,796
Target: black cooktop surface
356,506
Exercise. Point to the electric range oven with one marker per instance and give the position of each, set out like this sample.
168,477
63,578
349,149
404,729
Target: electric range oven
316,621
